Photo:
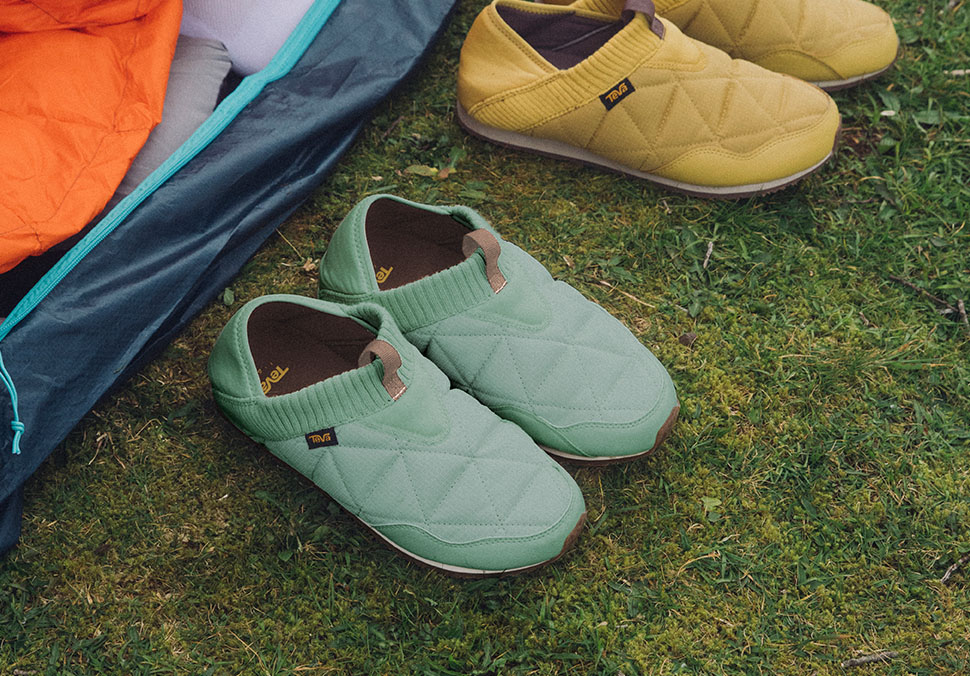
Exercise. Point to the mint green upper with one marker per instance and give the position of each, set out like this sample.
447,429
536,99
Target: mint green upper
537,352
343,398
434,471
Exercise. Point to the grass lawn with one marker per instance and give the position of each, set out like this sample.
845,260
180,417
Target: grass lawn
803,513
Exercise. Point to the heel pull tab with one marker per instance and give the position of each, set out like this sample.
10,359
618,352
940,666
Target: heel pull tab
491,249
390,359
646,7
16,425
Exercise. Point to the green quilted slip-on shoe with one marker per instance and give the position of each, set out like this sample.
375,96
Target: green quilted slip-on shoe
532,349
339,395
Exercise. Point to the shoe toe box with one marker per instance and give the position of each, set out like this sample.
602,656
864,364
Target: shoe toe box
594,390
644,408
538,525
872,50
861,41
772,129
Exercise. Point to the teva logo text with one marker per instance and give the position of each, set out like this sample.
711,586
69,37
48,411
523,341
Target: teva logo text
383,274
619,92
321,438
274,377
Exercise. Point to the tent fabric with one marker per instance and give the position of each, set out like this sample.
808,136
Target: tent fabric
195,80
83,85
177,245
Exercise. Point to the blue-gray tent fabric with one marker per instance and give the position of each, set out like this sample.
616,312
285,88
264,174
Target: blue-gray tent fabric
138,288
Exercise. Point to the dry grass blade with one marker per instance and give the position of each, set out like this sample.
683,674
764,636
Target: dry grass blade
884,656
954,568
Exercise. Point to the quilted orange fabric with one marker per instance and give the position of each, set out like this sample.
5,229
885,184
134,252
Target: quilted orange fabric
82,83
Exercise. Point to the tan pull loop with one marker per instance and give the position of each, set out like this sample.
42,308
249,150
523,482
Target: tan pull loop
484,240
645,7
391,359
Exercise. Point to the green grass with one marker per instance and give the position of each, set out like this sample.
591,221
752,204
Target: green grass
813,494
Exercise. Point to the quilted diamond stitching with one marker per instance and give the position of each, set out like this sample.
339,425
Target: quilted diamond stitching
804,22
407,457
328,458
699,92
523,399
443,335
485,360
562,356
555,350
753,86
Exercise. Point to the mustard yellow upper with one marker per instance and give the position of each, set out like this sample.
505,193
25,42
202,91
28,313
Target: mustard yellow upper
815,40
694,115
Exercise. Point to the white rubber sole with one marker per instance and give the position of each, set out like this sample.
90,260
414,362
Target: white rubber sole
560,150
459,571
836,85
588,460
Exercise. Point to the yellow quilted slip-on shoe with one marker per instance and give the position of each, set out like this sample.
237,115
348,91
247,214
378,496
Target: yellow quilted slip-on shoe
635,95
831,43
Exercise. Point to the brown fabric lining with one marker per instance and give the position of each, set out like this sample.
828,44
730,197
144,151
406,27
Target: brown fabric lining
562,39
407,243
295,346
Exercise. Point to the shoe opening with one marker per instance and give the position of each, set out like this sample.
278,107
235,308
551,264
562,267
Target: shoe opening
295,346
564,40
408,243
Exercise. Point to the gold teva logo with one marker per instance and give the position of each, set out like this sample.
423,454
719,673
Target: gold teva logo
619,92
383,274
274,377
614,94
320,438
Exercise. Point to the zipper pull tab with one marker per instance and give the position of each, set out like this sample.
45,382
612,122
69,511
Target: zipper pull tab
17,426
18,430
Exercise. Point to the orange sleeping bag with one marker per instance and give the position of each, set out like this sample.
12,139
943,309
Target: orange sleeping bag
82,82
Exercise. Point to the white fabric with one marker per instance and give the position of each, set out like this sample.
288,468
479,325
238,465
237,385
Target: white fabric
252,30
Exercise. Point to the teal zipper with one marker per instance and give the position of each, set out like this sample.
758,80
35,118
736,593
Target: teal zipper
284,60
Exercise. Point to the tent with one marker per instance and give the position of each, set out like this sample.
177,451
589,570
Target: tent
153,262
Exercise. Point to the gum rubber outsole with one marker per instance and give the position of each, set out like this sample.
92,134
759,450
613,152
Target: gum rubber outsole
599,461
564,151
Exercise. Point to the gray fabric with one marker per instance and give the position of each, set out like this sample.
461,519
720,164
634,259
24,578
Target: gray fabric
198,70
252,30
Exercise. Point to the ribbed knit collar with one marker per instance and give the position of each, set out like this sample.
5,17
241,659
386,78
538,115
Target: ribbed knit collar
443,294
336,400
563,90
632,45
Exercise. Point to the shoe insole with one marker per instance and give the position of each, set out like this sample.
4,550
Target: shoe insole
407,243
562,39
295,346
